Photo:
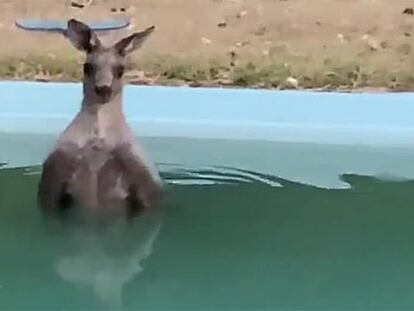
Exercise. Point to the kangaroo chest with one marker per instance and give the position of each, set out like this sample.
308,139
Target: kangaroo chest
96,142
96,152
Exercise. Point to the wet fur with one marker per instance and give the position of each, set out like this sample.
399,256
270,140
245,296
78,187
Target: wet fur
70,178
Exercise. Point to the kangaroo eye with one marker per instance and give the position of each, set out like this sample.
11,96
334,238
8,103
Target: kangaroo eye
119,71
88,69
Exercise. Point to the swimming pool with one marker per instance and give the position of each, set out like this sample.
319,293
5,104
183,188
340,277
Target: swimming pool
275,200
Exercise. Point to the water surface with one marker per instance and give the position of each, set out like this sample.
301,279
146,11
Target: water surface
245,226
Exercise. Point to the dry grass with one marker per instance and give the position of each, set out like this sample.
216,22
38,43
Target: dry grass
265,43
255,72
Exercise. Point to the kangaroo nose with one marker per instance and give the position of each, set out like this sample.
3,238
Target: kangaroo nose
104,91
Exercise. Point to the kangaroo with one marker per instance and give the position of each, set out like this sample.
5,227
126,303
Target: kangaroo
97,164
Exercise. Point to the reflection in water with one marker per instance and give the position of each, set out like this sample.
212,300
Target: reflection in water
210,175
247,241
107,258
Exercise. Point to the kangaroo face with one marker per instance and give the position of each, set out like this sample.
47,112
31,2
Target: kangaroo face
104,66
102,74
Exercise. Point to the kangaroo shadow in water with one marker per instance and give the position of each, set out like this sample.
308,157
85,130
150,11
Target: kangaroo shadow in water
105,256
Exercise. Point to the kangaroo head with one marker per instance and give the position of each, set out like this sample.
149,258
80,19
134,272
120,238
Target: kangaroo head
104,66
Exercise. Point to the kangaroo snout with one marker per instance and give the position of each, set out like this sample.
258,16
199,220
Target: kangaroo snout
103,91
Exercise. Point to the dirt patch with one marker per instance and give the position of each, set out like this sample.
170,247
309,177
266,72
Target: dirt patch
336,44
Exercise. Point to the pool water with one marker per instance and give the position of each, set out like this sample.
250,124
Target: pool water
246,225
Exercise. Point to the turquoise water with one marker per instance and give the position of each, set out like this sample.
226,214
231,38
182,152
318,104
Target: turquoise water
245,226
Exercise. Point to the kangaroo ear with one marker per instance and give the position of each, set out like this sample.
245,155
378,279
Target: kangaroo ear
81,36
133,42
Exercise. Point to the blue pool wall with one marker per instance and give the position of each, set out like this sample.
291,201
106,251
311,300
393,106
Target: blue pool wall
285,116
